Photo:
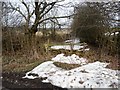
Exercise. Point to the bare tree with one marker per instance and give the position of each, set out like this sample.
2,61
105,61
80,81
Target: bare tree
39,10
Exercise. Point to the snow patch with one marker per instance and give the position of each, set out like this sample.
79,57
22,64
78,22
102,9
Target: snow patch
43,70
108,33
73,59
91,75
74,41
115,33
67,47
74,44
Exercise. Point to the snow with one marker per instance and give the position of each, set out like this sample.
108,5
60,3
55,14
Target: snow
74,44
87,49
91,75
115,33
45,69
67,47
74,41
73,59
107,33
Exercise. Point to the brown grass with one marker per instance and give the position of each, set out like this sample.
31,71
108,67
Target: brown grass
22,64
95,55
18,56
66,66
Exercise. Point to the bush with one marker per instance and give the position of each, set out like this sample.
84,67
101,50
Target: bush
87,25
118,43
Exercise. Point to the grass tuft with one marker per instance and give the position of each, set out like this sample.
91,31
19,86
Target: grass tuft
66,66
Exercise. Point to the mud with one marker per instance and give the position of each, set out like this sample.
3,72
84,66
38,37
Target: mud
14,81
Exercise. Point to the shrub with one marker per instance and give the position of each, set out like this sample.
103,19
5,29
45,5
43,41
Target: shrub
88,24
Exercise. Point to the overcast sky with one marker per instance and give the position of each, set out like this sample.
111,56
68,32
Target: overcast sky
63,10
65,0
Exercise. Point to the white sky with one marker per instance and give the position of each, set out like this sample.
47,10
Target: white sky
62,11
65,0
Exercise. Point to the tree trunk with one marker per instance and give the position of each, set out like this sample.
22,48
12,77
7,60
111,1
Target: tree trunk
33,29
34,47
32,42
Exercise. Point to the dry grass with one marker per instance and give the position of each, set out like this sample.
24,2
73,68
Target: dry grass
24,58
95,55
22,63
19,55
66,66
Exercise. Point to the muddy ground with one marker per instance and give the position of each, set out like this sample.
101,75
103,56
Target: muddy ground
14,81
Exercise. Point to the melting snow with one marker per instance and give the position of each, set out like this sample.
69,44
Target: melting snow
91,75
67,47
79,47
73,59
74,41
115,33
87,49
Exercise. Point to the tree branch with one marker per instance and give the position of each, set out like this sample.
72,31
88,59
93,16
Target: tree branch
55,18
32,13
52,5
18,10
26,7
